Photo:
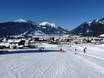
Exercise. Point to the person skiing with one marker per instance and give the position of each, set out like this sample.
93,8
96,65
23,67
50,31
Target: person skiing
61,50
75,49
41,49
84,50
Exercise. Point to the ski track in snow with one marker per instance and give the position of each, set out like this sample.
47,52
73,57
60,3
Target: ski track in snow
52,65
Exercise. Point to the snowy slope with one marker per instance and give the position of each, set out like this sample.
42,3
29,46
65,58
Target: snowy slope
51,65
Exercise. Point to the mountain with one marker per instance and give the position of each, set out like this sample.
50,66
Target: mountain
20,20
90,28
51,28
23,27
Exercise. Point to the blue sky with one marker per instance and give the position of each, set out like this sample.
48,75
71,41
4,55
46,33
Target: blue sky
68,13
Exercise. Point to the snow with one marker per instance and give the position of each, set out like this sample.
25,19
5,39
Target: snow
47,45
102,35
89,23
97,20
55,64
4,44
20,20
38,32
88,31
47,24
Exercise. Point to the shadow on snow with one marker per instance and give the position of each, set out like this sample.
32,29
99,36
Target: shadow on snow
26,51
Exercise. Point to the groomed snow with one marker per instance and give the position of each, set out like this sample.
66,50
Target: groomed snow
54,64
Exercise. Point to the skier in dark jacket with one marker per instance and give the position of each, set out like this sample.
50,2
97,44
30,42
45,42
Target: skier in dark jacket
84,50
61,50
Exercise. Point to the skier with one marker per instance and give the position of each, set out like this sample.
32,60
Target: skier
75,51
84,50
41,49
61,50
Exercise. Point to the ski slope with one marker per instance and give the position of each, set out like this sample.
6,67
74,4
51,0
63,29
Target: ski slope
52,64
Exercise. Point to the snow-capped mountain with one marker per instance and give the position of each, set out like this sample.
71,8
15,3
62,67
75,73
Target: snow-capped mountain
20,20
29,28
90,28
51,28
47,24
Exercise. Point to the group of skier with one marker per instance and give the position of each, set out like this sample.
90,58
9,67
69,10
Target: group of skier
84,49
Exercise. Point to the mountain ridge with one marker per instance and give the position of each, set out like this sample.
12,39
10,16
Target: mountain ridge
29,28
90,28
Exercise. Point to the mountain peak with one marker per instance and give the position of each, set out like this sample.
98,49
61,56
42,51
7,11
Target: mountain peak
47,24
29,28
90,28
20,20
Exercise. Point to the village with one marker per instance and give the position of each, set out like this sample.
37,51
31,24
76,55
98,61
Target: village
30,42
